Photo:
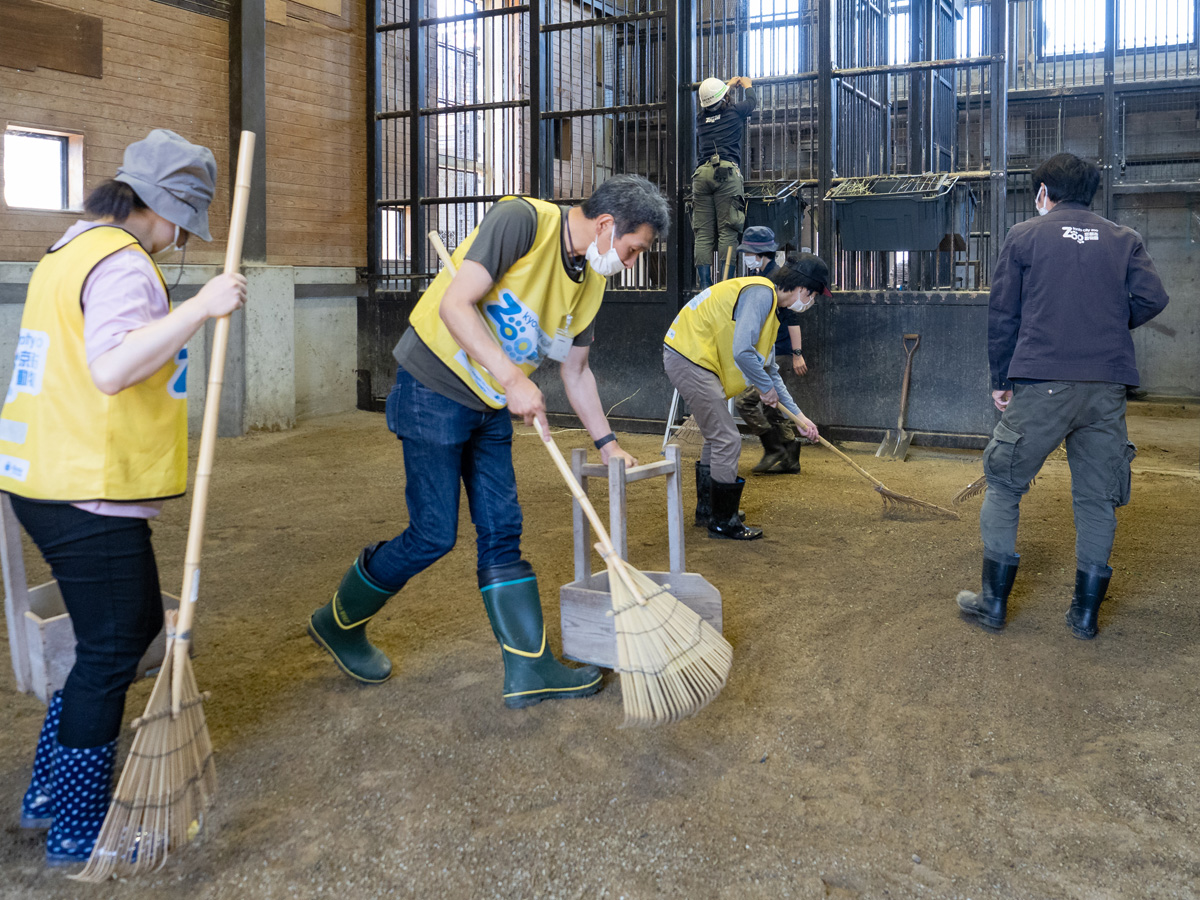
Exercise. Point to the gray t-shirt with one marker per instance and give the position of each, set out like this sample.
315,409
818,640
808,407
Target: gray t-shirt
505,235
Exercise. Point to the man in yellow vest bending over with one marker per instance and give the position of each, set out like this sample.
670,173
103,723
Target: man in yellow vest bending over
722,341
529,283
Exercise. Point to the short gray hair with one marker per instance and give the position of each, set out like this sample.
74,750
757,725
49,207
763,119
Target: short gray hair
632,201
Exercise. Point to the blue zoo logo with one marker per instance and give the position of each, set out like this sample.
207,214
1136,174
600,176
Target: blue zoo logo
177,386
517,328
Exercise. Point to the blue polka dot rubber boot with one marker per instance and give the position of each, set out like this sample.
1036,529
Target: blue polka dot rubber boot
82,791
37,809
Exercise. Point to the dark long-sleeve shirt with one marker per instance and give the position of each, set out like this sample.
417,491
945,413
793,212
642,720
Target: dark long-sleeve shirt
721,132
1067,289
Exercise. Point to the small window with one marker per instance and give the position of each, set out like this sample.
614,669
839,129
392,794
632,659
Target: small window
42,169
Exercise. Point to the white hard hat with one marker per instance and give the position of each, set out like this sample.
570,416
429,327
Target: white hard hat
711,91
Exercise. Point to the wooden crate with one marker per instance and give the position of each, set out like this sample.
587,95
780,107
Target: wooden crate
50,641
587,623
586,605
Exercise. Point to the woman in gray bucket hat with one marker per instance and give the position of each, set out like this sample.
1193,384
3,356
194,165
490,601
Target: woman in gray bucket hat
93,439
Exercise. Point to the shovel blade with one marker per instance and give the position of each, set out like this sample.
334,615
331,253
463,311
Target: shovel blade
895,444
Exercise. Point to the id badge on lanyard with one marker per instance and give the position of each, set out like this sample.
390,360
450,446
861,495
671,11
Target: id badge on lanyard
560,346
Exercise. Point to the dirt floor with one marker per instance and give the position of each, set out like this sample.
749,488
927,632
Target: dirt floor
869,743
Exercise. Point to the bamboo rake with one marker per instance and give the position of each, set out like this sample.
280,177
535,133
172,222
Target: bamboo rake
890,497
169,779
672,663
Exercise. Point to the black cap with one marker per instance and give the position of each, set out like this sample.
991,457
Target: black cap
814,269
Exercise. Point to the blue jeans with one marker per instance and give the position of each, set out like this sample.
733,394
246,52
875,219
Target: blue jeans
445,443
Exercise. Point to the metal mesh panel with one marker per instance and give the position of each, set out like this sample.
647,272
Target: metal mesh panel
1157,137
910,94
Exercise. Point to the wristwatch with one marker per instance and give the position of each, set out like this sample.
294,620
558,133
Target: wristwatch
797,353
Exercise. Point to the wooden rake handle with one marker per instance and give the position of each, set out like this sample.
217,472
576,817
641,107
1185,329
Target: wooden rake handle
208,431
606,545
828,446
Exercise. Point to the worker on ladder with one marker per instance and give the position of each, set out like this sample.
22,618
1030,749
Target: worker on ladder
718,194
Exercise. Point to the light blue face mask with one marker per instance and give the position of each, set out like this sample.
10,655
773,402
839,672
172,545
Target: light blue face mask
1041,195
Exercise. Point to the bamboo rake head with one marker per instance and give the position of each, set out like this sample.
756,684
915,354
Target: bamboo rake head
672,663
974,489
166,787
895,500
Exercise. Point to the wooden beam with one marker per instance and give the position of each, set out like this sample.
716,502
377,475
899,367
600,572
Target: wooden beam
38,34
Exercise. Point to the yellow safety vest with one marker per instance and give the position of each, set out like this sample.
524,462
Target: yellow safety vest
703,330
61,437
534,300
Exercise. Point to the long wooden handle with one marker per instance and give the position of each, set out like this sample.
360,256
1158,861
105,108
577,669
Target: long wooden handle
436,240
828,446
728,261
916,338
208,431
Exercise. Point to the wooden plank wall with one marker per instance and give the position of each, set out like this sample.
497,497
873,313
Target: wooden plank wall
317,137
163,68
169,68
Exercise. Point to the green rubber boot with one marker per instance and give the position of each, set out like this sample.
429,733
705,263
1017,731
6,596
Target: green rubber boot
340,626
531,673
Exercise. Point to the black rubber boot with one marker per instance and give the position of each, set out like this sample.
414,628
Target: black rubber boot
773,451
989,608
531,673
340,626
703,277
703,495
1091,584
791,462
726,523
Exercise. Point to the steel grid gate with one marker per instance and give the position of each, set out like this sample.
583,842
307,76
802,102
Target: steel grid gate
471,100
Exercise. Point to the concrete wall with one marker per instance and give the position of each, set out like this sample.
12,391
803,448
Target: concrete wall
300,333
1169,224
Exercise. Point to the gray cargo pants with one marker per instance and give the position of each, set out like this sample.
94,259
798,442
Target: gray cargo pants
1090,417
718,213
706,400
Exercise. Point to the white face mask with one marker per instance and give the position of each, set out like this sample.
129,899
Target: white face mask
608,264
801,304
174,245
1041,195
751,262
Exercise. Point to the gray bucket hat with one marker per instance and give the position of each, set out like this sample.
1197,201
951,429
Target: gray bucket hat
758,239
174,177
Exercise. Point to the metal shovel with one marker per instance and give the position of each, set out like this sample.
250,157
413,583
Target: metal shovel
895,443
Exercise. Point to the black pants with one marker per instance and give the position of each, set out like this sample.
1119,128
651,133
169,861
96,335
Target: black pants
106,572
